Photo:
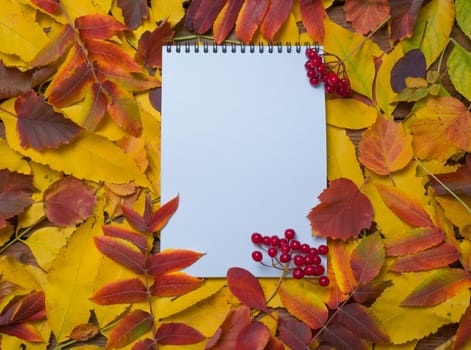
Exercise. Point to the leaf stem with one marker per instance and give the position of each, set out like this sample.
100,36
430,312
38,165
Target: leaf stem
18,236
277,287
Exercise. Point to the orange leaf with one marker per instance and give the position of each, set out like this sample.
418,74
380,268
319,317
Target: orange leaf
121,292
177,334
294,333
121,253
254,336
129,328
226,20
84,332
277,14
138,240
313,14
57,47
438,287
405,207
343,212
439,256
226,335
366,16
250,17
206,14
386,147
23,331
98,26
305,306
339,258
416,240
246,287
111,54
174,284
172,260
163,215
463,334
367,259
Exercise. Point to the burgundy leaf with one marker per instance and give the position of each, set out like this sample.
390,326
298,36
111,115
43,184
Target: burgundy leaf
403,16
23,331
121,292
463,334
341,338
13,82
191,13
146,344
254,336
68,201
275,344
230,329
49,6
15,194
174,284
155,98
122,253
223,26
177,334
27,308
136,220
206,14
295,334
370,291
137,239
39,126
134,11
172,260
149,46
246,287
130,327
412,64
458,182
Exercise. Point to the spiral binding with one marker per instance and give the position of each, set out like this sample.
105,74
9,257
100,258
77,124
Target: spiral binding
233,47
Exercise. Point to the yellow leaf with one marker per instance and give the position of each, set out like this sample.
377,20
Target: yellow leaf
46,242
406,346
350,114
289,31
105,161
412,82
71,280
432,29
12,270
341,156
88,347
170,10
357,53
5,234
76,9
397,320
21,35
12,160
457,214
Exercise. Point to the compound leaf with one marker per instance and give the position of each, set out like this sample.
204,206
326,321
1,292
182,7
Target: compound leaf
177,334
121,292
130,327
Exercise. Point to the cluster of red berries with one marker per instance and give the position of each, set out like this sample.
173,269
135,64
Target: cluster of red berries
288,253
331,73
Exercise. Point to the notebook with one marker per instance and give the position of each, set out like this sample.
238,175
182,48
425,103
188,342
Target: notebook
243,144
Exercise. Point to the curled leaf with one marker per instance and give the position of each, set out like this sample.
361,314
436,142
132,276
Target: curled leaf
246,287
277,14
84,332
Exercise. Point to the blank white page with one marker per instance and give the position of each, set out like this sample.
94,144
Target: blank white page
243,143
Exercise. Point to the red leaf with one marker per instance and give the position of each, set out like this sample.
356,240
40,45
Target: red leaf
15,194
49,6
106,52
163,215
276,16
174,284
134,11
254,336
23,331
458,182
414,241
403,16
246,287
172,260
250,17
341,338
123,254
40,126
93,107
191,13
146,344
177,334
206,14
405,207
313,14
366,16
357,319
226,20
368,258
295,334
56,48
137,239
98,26
130,327
438,287
13,82
68,201
275,344
136,220
28,308
149,46
84,332
343,212
370,291
121,292
231,327
340,268
463,334
439,256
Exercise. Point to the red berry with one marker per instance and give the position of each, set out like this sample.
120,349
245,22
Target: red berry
285,249
313,251
308,259
289,233
316,260
256,238
299,260
323,249
316,62
324,281
285,257
318,270
311,73
308,65
295,245
341,91
314,81
345,82
275,241
309,270
321,69
298,273
329,88
283,241
257,255
266,240
311,53
333,79
272,252
305,248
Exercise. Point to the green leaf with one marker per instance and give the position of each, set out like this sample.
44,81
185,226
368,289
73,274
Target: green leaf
459,70
462,8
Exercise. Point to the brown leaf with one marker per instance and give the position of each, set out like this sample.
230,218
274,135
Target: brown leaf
121,292
458,182
370,291
294,333
366,16
368,258
343,212
250,17
68,201
226,20
124,254
403,16
313,14
254,336
149,46
277,14
432,258
84,332
129,328
174,284
206,14
137,239
246,287
13,82
177,334
134,11
341,338
98,26
412,64
39,126
15,194
191,13
231,327
172,260
414,241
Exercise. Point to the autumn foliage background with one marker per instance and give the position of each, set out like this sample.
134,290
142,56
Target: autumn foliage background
79,179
